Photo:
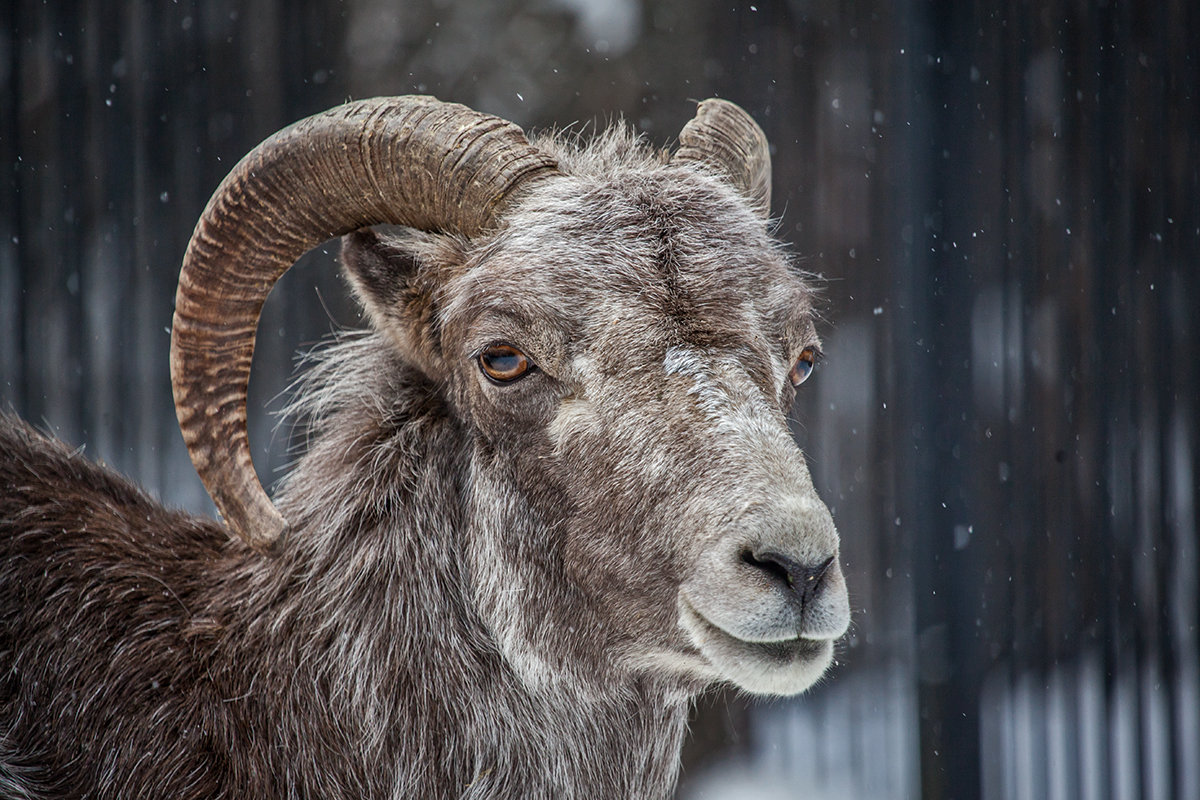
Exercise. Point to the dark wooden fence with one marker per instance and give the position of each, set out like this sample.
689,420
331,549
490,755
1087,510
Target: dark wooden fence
1004,199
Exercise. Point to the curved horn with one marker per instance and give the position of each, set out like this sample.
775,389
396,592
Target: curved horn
724,136
410,161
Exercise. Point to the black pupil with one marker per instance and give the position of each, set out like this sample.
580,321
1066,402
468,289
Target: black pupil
503,362
802,367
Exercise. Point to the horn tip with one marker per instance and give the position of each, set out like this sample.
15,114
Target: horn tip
262,533
248,512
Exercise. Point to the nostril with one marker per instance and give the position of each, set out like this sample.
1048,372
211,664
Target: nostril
813,577
800,579
771,563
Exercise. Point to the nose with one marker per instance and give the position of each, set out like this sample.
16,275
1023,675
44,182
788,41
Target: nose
801,583
773,575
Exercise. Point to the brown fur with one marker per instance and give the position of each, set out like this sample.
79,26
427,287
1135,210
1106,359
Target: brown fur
485,591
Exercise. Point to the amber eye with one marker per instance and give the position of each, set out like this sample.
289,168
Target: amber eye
503,363
803,366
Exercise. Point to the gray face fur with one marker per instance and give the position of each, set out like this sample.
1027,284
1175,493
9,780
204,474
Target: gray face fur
638,506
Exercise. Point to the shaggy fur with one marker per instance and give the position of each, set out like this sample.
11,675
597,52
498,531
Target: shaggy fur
485,590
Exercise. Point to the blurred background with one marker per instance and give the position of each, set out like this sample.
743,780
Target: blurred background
1003,201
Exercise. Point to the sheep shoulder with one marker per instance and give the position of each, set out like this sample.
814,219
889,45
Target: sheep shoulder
107,629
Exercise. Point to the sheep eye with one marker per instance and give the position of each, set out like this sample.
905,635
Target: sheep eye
503,363
803,366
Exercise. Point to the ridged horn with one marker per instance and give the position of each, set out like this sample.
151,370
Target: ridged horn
723,136
411,161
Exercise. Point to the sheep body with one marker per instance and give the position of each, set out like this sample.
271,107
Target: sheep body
140,661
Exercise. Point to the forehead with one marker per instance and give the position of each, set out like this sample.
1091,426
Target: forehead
670,257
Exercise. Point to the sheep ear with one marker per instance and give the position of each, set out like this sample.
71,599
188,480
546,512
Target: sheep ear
380,268
395,278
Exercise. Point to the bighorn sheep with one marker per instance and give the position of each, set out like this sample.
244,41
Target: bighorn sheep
547,498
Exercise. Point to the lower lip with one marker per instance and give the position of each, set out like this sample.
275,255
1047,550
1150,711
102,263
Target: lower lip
784,651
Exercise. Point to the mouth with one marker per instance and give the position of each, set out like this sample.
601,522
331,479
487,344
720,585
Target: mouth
778,667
